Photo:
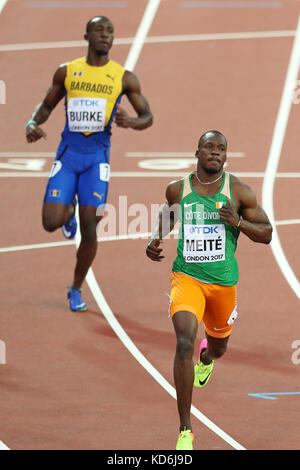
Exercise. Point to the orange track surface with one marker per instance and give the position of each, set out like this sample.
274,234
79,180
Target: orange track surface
69,383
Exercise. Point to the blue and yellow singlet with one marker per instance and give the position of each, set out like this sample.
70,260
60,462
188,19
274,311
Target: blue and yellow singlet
92,94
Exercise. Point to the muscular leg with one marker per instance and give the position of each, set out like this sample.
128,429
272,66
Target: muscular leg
186,326
216,347
55,215
88,245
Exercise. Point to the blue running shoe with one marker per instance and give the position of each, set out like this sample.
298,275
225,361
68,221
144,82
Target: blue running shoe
75,300
70,227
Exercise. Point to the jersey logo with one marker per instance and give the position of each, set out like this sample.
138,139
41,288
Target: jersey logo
98,195
112,78
190,204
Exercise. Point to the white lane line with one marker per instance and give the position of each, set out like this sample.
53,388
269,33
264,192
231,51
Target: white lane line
173,154
141,34
153,40
69,4
274,157
2,4
288,222
96,291
37,246
26,154
147,174
32,46
3,446
230,4
127,236
127,154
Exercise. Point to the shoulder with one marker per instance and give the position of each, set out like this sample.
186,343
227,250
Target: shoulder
173,191
60,73
130,82
243,194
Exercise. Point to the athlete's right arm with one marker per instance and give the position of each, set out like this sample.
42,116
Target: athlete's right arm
43,110
167,218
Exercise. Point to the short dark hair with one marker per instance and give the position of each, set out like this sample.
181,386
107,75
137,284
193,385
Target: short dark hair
211,132
89,23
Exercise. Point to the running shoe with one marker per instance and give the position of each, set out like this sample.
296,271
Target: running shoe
70,227
185,440
75,300
202,372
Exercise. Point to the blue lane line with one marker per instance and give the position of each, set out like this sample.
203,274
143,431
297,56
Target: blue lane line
268,397
225,4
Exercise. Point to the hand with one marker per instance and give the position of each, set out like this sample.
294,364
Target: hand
153,251
229,214
34,133
122,119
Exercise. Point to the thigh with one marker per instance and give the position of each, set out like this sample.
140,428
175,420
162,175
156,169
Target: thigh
94,182
185,324
61,187
186,295
221,310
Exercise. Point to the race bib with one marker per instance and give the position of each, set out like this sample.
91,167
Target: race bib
56,167
104,169
86,114
204,243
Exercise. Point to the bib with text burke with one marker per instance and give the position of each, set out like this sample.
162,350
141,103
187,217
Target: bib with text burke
86,114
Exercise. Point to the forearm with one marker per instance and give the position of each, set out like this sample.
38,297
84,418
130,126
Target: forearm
257,232
41,113
165,223
141,122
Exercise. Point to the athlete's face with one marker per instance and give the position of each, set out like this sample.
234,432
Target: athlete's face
100,35
211,153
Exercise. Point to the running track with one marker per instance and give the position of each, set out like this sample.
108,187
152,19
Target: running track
103,380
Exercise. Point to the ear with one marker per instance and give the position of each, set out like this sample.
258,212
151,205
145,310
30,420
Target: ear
86,37
197,153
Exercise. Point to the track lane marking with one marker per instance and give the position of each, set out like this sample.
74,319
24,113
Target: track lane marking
152,40
3,446
127,236
274,157
147,174
2,4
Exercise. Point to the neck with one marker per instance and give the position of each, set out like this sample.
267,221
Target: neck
95,59
208,178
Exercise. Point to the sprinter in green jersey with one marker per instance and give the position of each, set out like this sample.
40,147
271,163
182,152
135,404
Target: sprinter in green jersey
213,208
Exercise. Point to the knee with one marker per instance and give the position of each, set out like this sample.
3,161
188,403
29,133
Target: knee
49,224
185,347
89,231
217,351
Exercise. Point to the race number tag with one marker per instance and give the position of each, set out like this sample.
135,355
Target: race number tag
56,167
104,171
86,114
204,243
233,316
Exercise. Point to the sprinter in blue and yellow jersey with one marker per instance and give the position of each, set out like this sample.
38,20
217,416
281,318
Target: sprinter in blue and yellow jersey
92,88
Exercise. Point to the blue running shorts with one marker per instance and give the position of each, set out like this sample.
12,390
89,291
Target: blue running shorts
85,173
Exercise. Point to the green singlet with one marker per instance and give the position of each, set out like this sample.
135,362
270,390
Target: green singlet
206,244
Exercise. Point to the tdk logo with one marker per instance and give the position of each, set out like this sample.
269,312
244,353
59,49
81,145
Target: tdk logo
204,229
86,102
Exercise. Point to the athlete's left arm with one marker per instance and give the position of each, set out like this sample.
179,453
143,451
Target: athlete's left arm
132,89
248,215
